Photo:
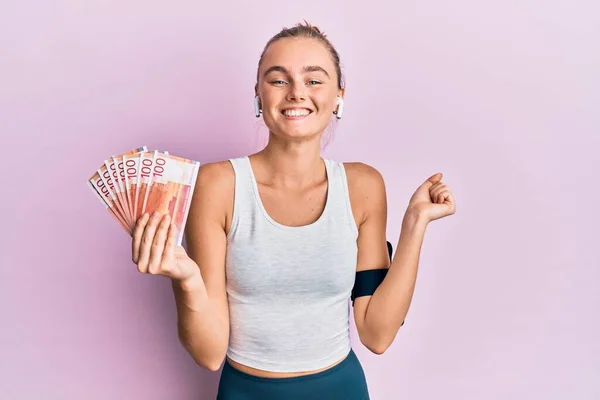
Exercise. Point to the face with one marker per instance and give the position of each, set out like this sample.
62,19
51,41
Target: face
298,88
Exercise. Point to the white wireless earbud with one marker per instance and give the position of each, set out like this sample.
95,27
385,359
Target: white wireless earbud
257,109
340,108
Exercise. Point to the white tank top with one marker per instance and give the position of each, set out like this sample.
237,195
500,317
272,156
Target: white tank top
289,287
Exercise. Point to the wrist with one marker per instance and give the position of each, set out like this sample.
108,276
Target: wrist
191,293
190,284
414,219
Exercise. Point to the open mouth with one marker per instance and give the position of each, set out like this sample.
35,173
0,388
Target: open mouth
296,113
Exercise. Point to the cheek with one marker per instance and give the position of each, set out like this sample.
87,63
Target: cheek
270,98
324,100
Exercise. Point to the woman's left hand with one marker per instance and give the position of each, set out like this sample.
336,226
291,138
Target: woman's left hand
432,200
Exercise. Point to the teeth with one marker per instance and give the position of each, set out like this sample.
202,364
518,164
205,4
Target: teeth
295,113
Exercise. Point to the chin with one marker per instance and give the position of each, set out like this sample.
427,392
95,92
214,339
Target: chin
298,133
300,125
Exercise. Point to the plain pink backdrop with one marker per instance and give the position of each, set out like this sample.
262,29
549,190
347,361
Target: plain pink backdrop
501,96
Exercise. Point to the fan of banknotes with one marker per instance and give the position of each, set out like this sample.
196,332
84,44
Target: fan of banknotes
141,181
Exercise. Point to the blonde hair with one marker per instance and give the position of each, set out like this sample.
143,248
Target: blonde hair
305,30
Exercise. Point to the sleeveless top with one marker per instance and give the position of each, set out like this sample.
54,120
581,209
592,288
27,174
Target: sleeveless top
289,287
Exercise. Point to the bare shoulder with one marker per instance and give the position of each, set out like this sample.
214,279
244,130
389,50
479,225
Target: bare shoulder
216,173
214,191
361,174
366,188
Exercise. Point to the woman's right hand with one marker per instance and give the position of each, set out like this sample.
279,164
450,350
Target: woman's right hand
155,252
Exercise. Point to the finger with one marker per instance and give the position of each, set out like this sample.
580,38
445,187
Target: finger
172,239
158,245
146,242
447,200
437,189
442,196
170,247
432,180
137,233
450,201
435,178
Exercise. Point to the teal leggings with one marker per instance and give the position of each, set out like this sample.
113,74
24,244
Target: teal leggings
344,381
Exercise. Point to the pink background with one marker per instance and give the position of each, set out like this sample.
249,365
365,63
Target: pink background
501,96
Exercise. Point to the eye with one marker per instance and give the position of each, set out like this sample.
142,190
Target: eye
313,82
278,82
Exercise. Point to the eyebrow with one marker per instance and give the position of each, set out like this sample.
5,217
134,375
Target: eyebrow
310,68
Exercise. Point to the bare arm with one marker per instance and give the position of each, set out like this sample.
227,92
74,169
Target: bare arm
202,308
379,317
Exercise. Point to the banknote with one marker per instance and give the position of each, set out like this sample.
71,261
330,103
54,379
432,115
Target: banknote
141,181
105,182
109,172
132,170
117,175
171,183
107,205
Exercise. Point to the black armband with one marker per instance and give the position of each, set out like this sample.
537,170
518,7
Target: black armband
367,281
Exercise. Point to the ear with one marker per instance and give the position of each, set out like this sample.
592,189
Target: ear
339,99
257,106
339,107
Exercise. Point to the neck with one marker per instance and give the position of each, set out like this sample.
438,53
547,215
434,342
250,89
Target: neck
292,164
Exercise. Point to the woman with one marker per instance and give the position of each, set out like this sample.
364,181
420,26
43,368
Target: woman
279,241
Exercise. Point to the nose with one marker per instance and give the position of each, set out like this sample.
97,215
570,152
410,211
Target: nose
296,91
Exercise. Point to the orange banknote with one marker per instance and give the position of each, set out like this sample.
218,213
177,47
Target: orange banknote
105,181
140,185
170,186
141,181
102,194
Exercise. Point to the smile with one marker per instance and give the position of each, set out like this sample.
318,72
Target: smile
296,113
